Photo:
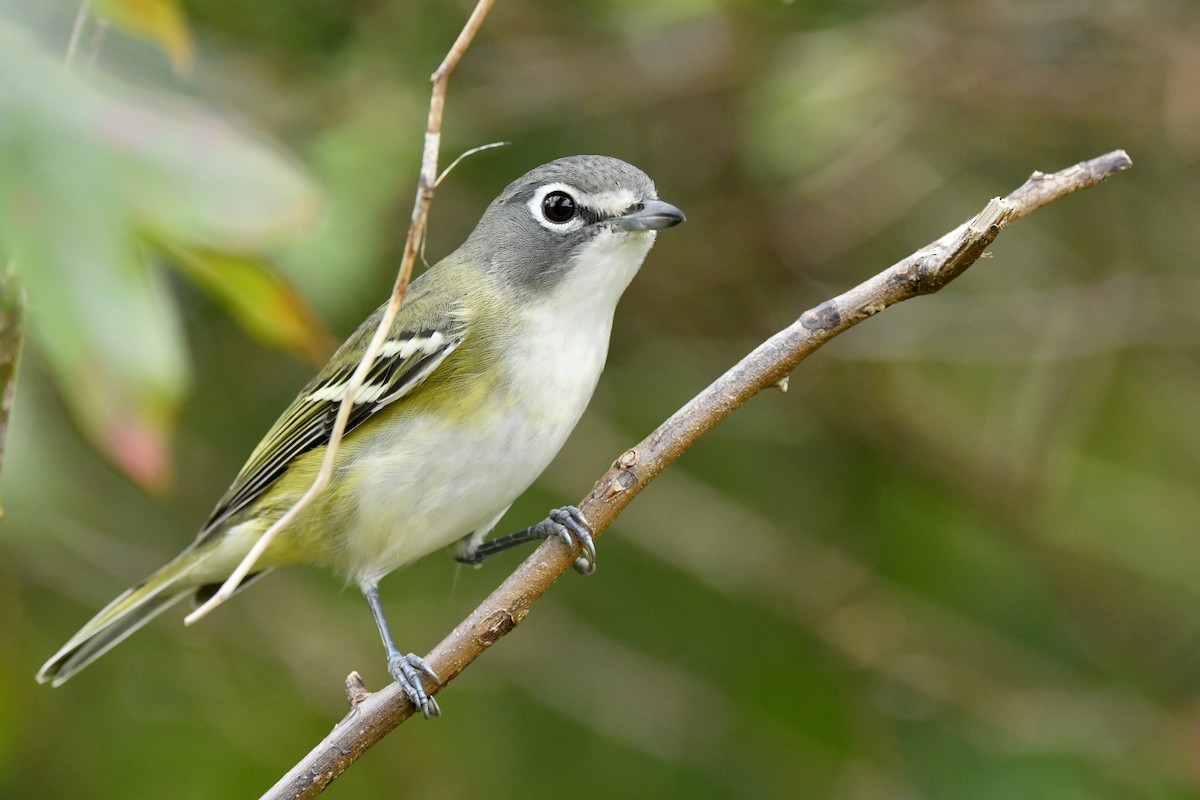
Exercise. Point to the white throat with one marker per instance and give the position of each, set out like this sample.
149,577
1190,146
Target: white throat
601,273
567,328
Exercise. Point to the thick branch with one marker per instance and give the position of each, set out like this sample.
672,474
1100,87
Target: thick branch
924,272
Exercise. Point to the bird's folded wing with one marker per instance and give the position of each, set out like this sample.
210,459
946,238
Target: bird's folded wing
405,360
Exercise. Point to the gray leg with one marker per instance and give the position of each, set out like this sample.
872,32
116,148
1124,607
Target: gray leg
567,523
406,670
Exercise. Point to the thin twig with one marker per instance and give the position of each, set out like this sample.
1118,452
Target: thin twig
98,31
416,232
81,18
448,170
924,272
465,154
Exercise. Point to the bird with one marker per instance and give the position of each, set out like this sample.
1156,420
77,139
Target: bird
491,360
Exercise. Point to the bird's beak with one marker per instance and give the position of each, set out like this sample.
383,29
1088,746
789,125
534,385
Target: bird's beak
649,215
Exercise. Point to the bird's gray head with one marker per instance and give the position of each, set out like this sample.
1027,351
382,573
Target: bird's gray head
589,214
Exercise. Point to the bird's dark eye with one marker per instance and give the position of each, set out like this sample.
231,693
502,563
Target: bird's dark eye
558,207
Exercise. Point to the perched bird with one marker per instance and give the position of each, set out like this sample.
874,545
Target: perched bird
489,365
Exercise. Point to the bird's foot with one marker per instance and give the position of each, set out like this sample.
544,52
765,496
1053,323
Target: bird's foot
572,528
568,524
407,670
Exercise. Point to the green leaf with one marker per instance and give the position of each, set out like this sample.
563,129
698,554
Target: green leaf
87,176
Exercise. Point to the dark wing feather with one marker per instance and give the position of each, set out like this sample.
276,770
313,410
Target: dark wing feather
406,359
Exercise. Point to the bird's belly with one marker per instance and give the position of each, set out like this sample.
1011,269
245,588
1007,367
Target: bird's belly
438,481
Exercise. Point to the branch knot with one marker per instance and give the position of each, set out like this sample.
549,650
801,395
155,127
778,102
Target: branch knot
822,318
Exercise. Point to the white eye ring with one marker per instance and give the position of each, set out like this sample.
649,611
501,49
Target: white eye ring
538,208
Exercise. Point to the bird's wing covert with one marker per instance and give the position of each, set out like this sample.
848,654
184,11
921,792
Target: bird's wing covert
405,360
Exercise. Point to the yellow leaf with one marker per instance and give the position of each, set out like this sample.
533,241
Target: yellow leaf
259,298
160,21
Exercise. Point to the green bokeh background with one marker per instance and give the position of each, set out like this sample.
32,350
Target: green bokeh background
959,558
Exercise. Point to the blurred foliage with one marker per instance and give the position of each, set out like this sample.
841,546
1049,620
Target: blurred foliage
959,558
89,178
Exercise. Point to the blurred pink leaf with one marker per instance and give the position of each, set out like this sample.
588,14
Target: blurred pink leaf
133,430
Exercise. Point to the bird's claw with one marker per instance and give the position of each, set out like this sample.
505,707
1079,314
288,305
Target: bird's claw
407,670
572,528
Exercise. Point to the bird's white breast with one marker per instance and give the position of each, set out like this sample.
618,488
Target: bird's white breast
434,481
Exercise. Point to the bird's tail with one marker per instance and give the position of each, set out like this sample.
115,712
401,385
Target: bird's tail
121,617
